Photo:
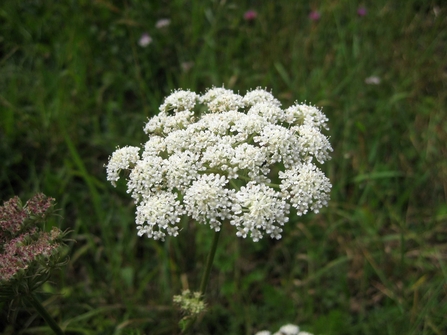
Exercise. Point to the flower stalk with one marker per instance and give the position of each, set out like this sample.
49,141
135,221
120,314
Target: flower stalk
209,263
205,279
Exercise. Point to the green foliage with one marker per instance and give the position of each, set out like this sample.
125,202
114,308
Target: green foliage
75,83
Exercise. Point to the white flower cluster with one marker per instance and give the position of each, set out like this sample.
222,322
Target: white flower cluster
222,157
288,329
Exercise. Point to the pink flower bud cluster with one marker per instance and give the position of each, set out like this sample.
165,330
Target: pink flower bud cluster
11,218
22,243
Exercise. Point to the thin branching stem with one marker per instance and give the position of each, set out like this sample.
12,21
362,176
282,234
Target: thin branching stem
44,314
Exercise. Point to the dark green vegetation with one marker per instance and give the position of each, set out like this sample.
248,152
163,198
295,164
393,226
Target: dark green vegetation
74,84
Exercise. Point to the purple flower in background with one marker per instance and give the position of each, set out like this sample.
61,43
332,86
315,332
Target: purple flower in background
373,80
162,23
144,40
186,66
314,15
361,11
250,15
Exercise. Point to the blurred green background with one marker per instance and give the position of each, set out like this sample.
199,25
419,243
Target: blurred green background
76,81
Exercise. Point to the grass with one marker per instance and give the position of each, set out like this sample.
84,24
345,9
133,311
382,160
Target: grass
74,84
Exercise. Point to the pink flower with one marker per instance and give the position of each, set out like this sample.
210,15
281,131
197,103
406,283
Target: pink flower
144,40
12,217
162,23
373,80
250,15
22,242
361,11
314,15
186,66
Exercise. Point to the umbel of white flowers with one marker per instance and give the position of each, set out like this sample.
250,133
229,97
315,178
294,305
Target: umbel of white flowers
222,157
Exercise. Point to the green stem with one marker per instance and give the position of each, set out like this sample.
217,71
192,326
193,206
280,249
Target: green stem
44,314
209,263
205,279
